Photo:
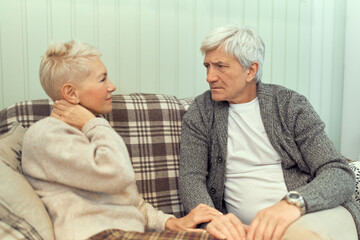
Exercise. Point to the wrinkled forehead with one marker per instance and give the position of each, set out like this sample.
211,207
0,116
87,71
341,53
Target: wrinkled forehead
218,54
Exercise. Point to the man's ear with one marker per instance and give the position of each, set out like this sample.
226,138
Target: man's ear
70,93
252,71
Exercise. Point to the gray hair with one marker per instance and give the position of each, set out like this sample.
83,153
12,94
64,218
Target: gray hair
63,63
242,43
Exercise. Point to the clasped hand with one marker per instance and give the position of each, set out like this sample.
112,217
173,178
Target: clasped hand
268,224
200,214
72,114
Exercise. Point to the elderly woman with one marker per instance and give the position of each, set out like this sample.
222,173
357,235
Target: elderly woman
78,165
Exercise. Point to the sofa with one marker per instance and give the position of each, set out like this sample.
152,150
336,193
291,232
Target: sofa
150,125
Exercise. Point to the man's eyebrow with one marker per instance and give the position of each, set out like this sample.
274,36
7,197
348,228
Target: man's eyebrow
216,63
219,63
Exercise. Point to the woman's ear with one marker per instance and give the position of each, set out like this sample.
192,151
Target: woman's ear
252,71
70,93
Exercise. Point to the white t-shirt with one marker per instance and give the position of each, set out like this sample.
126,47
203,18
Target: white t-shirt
254,177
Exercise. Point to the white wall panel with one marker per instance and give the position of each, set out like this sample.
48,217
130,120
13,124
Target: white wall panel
186,48
304,48
236,11
129,50
14,73
266,31
153,45
204,24
350,135
291,58
168,48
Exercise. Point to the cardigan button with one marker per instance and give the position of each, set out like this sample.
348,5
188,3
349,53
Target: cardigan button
212,191
219,160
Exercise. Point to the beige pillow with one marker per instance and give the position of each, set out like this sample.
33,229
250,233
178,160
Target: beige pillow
11,143
15,227
15,191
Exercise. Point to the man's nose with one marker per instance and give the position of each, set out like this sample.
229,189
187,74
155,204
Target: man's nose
211,75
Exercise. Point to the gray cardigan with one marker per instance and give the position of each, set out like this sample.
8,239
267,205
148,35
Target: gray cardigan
310,162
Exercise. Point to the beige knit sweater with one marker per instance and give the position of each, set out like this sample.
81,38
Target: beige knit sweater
85,179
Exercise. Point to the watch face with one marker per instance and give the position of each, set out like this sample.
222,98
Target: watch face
293,195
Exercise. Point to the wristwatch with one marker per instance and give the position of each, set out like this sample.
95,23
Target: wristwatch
294,198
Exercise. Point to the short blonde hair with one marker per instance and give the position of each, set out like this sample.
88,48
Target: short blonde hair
65,62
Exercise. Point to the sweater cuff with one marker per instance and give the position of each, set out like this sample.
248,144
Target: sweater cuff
162,218
92,123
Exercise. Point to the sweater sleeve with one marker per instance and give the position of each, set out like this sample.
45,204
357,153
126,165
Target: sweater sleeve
332,182
94,159
154,219
194,152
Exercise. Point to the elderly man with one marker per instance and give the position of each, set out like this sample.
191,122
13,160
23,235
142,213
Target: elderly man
259,153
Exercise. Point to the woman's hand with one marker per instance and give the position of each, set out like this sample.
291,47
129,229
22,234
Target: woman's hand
227,227
72,114
201,214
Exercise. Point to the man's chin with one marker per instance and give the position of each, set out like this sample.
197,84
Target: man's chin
216,96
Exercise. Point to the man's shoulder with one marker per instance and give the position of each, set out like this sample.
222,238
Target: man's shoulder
278,92
201,107
205,96
270,88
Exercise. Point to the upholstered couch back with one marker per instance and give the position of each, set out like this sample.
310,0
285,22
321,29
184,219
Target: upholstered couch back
150,125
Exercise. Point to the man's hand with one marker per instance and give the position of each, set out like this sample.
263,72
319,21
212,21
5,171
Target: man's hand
72,114
271,222
227,227
201,214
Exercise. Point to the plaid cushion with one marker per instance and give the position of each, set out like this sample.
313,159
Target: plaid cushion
150,125
13,227
186,102
26,113
115,234
355,166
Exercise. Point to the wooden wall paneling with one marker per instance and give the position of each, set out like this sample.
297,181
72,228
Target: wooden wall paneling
204,24
251,14
291,46
304,48
107,37
12,50
129,64
278,42
187,48
62,19
327,64
266,32
236,11
337,69
37,41
316,55
86,27
168,45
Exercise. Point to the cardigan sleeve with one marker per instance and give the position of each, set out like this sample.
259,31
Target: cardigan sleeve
194,152
332,182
